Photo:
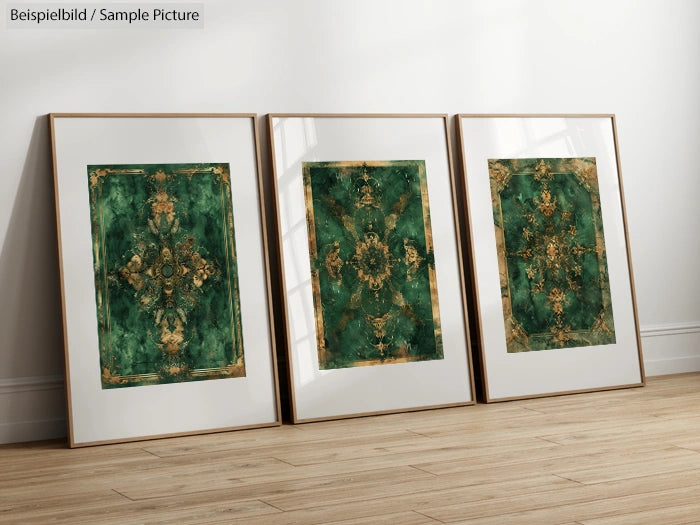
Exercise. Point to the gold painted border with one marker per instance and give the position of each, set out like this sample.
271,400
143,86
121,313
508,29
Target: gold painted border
504,274
313,254
103,303
432,276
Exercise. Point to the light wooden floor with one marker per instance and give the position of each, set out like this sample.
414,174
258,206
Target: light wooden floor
619,457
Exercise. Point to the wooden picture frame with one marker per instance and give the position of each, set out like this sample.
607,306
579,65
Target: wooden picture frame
549,251
164,275
372,282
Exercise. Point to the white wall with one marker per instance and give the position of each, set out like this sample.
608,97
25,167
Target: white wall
639,60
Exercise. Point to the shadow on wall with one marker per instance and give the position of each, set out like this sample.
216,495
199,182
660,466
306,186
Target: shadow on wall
31,328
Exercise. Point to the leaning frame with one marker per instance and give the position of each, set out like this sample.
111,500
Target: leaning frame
353,343
553,290
164,275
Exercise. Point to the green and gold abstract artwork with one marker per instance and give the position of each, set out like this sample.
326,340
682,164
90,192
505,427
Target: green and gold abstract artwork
372,263
166,281
552,262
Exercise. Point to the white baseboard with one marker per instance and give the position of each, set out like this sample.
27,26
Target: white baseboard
676,365
30,384
21,431
670,329
671,348
33,408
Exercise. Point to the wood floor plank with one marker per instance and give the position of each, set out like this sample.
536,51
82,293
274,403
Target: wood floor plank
58,461
166,478
439,452
348,447
307,492
222,442
626,431
546,502
401,494
541,425
554,460
404,452
556,513
640,465
127,513
402,518
297,491
170,481
49,506
220,511
688,443
460,489
684,514
602,458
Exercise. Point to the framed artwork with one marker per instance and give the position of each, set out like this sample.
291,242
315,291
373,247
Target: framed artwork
552,277
164,275
372,284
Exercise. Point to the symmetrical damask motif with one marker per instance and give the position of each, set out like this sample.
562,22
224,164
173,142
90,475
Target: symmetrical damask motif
372,263
551,253
165,273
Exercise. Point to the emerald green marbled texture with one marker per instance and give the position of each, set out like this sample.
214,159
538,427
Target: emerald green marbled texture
165,273
372,263
554,274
